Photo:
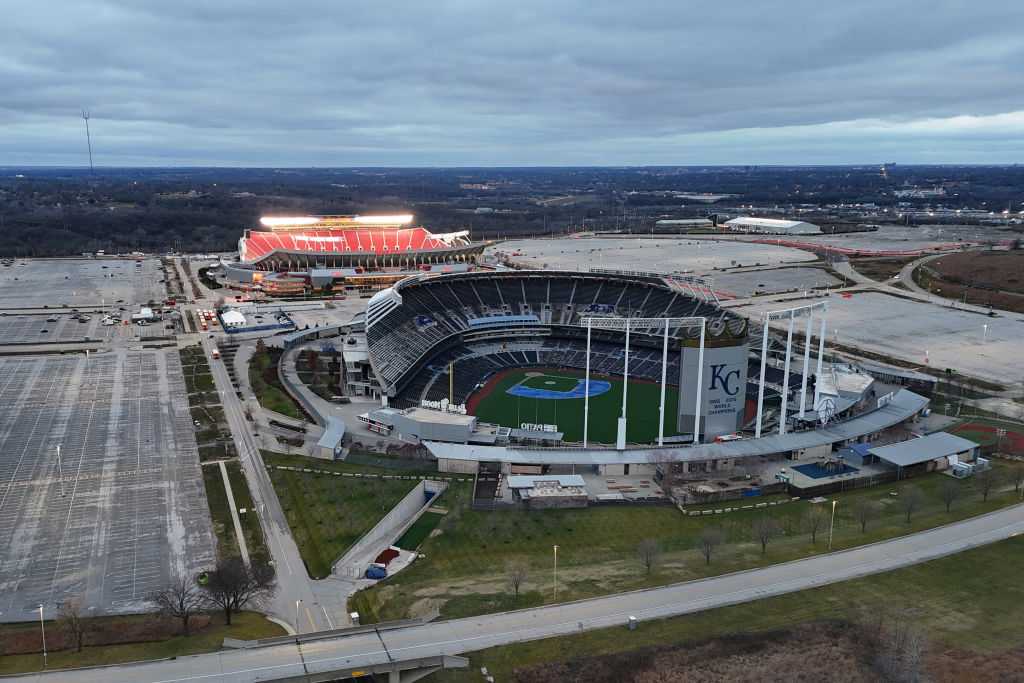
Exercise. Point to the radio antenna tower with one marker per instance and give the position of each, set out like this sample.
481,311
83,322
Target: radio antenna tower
88,138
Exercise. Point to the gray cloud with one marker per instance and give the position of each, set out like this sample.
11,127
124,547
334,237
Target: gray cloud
346,83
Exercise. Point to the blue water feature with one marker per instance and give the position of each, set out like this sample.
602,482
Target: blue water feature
597,387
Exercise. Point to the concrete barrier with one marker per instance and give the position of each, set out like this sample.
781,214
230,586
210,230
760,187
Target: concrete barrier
389,529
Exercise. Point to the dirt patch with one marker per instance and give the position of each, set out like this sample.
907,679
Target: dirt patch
812,652
987,278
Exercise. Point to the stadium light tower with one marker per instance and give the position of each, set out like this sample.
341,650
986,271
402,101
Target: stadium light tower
790,314
644,323
88,138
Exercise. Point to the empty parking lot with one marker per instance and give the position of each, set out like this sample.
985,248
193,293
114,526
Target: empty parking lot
123,510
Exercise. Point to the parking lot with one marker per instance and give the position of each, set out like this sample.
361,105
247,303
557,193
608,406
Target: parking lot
659,255
924,333
123,510
76,283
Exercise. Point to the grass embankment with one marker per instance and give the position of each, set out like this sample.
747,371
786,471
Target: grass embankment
213,437
464,571
968,600
359,463
320,371
245,626
420,530
327,514
267,385
250,520
500,407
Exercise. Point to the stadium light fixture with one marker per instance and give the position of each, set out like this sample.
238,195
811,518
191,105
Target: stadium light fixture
280,221
399,219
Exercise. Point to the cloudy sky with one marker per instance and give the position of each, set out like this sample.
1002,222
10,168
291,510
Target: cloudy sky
346,83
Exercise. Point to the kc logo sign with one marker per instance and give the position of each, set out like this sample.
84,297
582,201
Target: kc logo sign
727,380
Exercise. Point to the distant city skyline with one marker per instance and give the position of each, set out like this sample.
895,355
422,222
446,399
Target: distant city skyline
318,83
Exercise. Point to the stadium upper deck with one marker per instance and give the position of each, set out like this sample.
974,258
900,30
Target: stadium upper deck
340,241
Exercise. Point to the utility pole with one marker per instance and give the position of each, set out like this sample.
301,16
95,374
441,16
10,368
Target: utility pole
88,138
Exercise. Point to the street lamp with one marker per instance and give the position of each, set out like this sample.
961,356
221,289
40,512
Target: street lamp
832,524
297,628
42,629
984,333
555,581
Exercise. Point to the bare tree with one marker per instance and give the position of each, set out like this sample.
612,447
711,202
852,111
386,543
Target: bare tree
516,577
950,490
72,623
180,600
814,520
710,538
648,551
910,500
232,586
864,511
987,481
766,528
1017,473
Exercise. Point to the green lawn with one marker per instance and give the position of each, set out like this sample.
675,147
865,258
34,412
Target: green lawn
327,514
254,539
419,531
266,386
643,400
220,511
245,626
464,569
970,600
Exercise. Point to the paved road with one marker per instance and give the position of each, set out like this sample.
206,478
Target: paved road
466,635
293,582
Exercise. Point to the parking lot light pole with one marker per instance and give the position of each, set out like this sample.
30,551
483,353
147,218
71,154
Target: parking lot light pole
42,629
555,578
60,472
832,524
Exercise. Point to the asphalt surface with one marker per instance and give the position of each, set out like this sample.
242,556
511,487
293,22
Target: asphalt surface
466,635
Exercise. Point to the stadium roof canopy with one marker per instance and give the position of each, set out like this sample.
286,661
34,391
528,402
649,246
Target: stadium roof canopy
904,405
923,449
773,226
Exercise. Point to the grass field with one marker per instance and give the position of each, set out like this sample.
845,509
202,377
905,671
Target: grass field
419,531
464,568
498,406
245,626
327,514
970,602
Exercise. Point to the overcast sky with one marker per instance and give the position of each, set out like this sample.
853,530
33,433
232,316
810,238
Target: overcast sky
579,82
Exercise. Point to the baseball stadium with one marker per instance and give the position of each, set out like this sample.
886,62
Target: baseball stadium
525,371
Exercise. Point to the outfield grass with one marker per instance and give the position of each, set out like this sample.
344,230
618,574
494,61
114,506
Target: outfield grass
643,399
464,569
327,514
970,600
245,626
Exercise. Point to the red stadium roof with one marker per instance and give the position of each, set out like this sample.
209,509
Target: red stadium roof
259,244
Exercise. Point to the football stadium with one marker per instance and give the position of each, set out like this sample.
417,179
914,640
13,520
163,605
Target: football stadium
293,254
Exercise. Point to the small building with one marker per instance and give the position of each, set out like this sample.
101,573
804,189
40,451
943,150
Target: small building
935,452
424,424
329,446
548,491
772,226
145,314
232,319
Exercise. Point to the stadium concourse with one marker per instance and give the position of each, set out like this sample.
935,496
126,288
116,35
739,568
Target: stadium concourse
520,356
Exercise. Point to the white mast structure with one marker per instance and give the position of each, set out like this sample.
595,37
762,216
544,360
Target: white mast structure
791,314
